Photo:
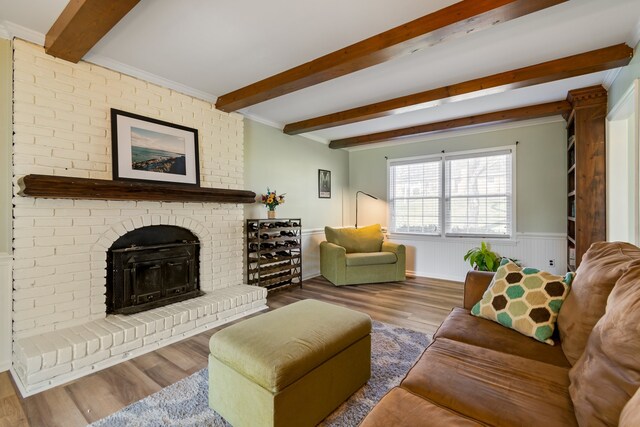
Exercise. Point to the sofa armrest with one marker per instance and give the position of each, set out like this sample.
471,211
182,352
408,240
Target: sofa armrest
401,255
333,262
396,248
475,284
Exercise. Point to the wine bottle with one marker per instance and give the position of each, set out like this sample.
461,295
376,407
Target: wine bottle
287,233
264,236
253,226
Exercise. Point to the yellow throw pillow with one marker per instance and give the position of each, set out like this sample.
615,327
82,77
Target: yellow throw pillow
356,240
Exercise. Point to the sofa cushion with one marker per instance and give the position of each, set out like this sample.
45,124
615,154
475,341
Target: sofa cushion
363,239
601,266
525,299
630,416
371,258
461,326
492,387
400,407
608,372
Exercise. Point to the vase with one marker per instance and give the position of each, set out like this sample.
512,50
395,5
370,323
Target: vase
271,214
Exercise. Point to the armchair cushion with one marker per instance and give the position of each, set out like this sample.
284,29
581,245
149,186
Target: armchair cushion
372,258
356,240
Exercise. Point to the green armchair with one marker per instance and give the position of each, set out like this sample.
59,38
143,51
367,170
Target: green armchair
355,256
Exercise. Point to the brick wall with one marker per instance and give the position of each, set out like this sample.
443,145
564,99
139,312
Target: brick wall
62,127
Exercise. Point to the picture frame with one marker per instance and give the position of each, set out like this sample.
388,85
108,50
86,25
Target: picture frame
150,150
324,184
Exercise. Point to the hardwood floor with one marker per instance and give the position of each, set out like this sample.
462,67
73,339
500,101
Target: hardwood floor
418,303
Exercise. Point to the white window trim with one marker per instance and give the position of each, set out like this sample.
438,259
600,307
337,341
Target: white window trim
462,238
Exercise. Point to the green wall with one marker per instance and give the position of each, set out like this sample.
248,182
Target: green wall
541,170
5,144
622,82
289,164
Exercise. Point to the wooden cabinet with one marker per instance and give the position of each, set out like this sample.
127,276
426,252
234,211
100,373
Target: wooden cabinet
274,252
586,169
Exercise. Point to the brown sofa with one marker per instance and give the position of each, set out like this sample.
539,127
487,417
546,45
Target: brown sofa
477,372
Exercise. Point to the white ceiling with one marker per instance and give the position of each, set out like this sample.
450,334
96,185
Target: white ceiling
209,48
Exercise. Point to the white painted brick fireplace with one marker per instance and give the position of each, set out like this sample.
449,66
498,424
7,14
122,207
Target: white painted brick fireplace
62,127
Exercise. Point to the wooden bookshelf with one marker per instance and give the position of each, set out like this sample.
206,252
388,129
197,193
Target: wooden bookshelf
586,172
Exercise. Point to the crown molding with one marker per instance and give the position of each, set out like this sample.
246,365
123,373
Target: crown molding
315,138
4,33
120,67
462,132
279,126
24,33
15,30
610,77
634,38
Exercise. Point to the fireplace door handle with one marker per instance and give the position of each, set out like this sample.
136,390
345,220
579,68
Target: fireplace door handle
149,297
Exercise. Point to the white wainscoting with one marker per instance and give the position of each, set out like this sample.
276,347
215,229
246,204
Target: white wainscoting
443,258
311,239
6,287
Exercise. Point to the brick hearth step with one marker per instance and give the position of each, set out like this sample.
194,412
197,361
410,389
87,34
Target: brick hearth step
46,360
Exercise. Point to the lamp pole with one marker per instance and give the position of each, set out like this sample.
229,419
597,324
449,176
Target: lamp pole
366,194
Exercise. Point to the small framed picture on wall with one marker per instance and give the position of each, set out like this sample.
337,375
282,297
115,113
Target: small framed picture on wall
324,184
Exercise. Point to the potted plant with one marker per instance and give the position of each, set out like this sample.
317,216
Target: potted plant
483,258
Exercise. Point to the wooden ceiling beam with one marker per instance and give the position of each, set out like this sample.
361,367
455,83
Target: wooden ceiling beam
451,22
571,66
505,116
82,24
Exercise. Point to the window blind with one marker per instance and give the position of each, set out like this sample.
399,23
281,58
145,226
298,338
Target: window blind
478,195
415,196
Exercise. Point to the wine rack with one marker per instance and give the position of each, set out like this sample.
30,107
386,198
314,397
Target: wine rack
274,252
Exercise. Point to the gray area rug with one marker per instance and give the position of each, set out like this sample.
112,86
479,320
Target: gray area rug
185,403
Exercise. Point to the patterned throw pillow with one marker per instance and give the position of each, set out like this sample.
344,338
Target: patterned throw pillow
524,299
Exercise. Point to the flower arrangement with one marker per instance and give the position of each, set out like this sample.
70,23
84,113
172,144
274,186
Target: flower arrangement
271,199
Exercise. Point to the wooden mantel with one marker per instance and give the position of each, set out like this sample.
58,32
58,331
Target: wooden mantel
62,187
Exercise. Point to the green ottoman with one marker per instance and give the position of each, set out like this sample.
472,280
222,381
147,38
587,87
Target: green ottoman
289,367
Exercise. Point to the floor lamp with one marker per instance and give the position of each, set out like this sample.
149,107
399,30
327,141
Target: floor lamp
366,194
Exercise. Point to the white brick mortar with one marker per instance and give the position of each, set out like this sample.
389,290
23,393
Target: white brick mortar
62,127
50,359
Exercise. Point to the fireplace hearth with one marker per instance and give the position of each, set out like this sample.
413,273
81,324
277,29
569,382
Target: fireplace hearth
150,267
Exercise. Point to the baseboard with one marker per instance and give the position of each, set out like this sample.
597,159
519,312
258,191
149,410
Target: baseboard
311,275
450,278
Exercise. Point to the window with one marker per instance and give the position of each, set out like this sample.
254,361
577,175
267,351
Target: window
457,195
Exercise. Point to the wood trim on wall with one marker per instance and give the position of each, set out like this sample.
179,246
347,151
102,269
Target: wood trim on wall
452,22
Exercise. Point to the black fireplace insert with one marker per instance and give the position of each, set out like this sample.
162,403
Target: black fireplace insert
150,267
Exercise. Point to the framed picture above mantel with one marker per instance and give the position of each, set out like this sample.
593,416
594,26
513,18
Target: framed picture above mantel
151,150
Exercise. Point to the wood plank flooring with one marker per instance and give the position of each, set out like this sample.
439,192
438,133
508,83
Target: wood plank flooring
418,303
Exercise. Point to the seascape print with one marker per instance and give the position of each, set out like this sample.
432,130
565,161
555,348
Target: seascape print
157,152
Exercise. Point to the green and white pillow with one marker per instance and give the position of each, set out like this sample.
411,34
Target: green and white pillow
524,299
